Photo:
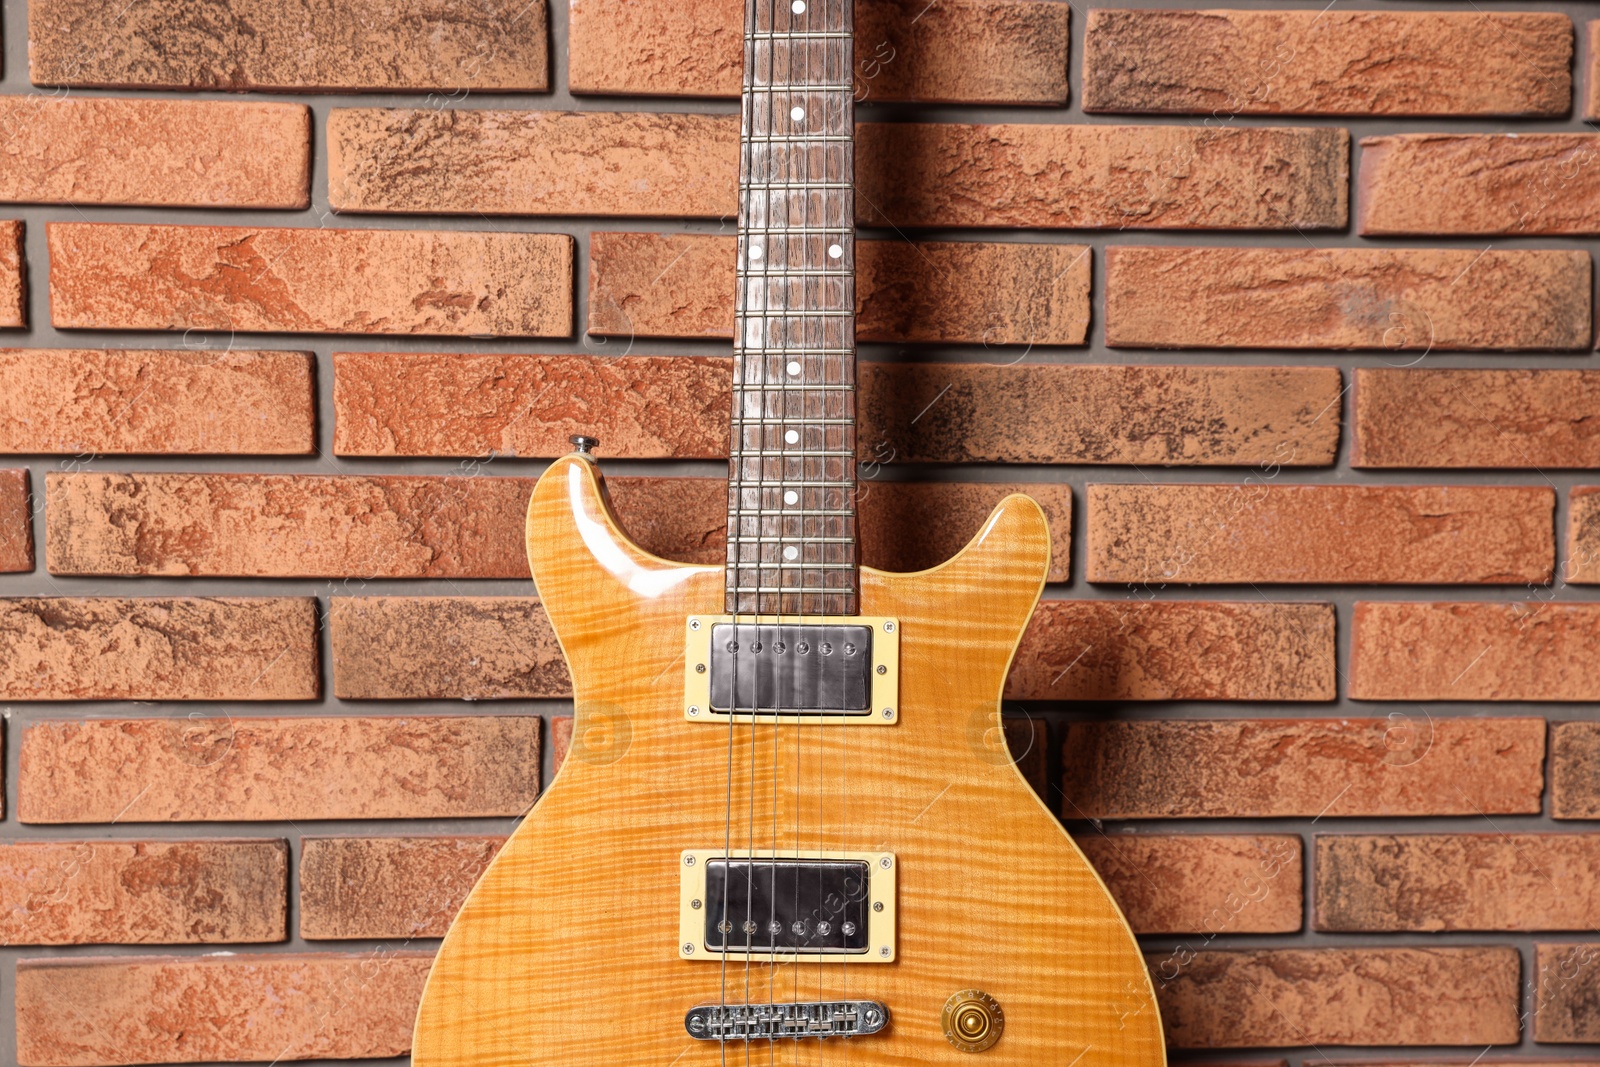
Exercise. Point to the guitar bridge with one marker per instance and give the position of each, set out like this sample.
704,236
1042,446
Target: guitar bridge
766,1022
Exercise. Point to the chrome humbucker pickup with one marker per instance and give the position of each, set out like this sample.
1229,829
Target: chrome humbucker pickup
820,907
842,669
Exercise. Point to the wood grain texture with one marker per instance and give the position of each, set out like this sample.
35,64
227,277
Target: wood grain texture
992,893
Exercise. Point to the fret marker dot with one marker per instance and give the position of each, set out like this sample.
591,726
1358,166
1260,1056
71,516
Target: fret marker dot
835,251
792,437
798,113
793,368
755,251
791,552
791,497
798,7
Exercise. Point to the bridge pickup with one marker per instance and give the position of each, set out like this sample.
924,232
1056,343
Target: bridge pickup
832,907
845,669
760,1022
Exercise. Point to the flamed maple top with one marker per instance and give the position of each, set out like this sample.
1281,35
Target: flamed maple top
792,470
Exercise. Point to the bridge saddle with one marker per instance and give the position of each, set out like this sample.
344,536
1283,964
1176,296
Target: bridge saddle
761,1022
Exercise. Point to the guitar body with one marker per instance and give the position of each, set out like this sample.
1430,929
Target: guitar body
567,951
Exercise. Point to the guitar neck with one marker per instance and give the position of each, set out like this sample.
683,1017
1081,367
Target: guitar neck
792,469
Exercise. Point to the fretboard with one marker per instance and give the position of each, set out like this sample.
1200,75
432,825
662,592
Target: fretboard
792,468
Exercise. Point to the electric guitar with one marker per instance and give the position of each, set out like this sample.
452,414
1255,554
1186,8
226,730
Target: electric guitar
788,828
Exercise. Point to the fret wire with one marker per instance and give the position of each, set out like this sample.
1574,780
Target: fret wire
795,138
800,419
772,35
798,87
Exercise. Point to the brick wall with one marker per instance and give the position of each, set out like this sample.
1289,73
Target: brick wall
1284,313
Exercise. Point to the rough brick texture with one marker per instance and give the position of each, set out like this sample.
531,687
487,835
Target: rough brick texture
1139,649
514,406
13,276
1479,183
476,161
154,153
158,648
276,280
396,45
1397,299
133,401
1295,533
16,521
682,285
1421,417
1201,884
963,51
170,1009
143,892
1566,993
387,887
1344,996
1525,650
1575,770
1102,177
1413,764
1225,63
1582,557
216,767
1478,881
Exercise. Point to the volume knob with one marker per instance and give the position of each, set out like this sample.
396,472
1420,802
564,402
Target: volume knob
972,1020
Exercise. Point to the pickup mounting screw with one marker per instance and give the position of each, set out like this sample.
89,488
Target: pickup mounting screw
888,627
877,905
695,904
884,952
699,668
688,948
688,861
886,862
883,668
694,624
888,713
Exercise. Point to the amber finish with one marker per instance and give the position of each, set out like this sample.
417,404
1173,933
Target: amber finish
566,952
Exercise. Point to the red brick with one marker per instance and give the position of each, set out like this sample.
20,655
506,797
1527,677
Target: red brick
1575,770
1591,99
124,276
404,404
1427,882
13,276
331,45
640,407
158,648
220,768
1410,764
132,401
1321,533
560,739
143,892
1380,298
1226,63
682,285
113,1010
287,525
966,51
154,153
1526,650
424,526
1028,743
387,887
1582,564
522,162
1102,177
1479,183
1212,884
16,521
1475,418
1279,998
1566,993
1143,649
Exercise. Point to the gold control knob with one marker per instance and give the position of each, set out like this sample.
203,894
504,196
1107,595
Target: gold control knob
972,1020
